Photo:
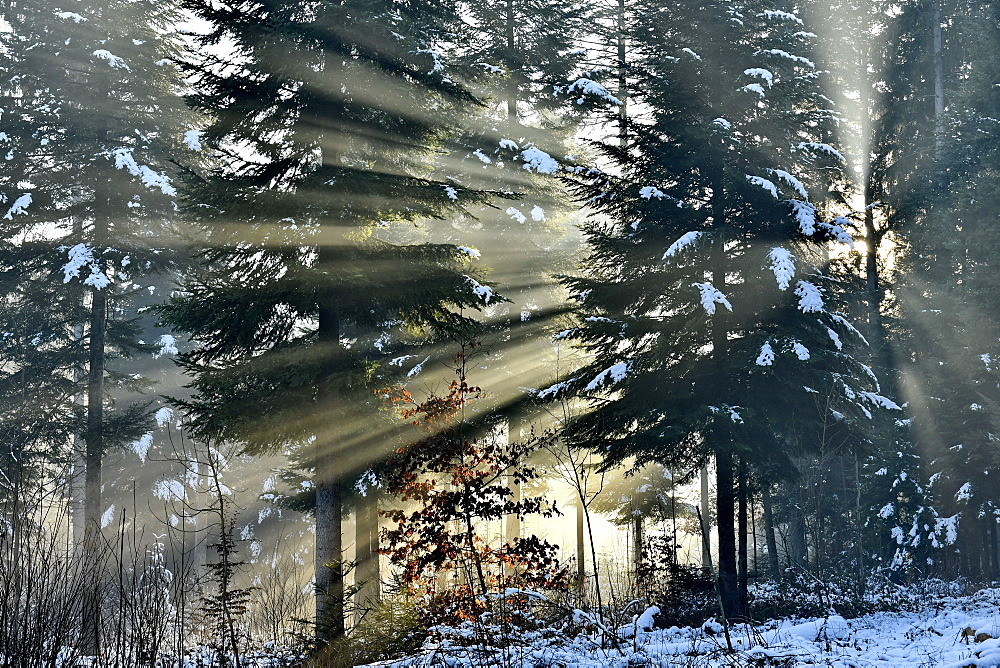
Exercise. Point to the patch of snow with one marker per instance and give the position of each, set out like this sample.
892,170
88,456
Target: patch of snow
760,73
783,266
112,60
766,356
539,161
760,181
590,87
163,416
776,15
810,297
19,206
141,447
193,139
686,240
788,178
710,296
514,213
617,372
787,56
168,346
484,292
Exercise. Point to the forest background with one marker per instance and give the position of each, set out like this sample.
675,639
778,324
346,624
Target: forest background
323,310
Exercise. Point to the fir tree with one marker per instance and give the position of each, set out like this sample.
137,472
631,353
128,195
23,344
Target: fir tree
323,116
710,322
90,126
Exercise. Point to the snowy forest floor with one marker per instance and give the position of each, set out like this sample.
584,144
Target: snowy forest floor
941,630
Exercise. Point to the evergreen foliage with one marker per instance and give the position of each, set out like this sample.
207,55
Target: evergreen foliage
91,124
324,118
704,306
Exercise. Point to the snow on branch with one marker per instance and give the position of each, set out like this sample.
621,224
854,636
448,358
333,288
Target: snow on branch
878,400
710,296
805,216
617,372
792,181
819,147
687,240
484,292
535,159
783,266
776,15
766,356
590,87
150,178
113,60
810,297
80,256
193,139
760,73
19,206
760,181
787,56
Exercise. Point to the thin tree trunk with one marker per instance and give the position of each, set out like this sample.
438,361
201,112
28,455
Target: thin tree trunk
512,523
510,20
330,622
742,577
706,547
622,76
772,543
725,501
366,571
938,80
638,539
581,551
90,643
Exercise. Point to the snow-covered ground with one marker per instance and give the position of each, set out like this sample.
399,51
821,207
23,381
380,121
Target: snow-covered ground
946,631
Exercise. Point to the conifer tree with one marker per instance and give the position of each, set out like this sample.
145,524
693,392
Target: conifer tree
710,322
949,297
323,115
90,126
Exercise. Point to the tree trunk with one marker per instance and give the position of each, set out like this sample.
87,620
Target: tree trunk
329,495
512,523
743,578
510,20
938,80
772,543
92,542
367,574
622,76
725,499
581,552
706,546
638,539
796,537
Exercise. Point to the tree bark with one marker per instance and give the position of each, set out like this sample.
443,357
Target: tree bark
581,552
706,546
366,571
622,76
638,539
772,543
743,577
512,523
93,543
330,623
938,80
725,500
796,537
